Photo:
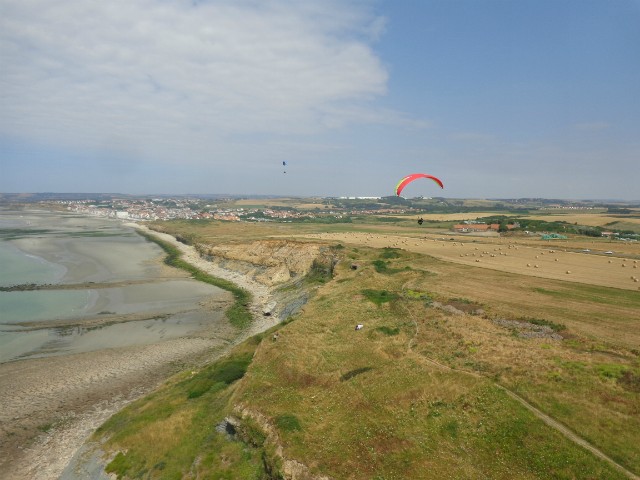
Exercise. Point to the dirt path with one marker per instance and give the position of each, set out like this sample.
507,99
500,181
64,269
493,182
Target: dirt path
536,411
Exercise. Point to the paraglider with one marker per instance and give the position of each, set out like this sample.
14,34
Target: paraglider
284,164
414,176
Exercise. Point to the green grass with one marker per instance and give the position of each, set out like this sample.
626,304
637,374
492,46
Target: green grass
389,331
238,313
389,252
288,423
169,434
595,294
221,374
613,371
375,406
45,427
380,296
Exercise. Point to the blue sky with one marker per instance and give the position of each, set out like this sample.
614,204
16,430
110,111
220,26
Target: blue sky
527,98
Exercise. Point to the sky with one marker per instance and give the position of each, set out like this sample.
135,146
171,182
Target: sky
497,98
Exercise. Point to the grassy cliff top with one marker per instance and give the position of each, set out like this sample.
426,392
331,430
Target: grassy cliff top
456,373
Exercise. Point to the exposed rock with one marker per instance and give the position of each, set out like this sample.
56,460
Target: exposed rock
269,262
528,330
291,469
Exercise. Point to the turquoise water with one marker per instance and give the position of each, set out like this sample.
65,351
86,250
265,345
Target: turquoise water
18,267
43,305
52,248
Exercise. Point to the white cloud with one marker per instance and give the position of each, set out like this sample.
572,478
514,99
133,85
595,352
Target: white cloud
162,77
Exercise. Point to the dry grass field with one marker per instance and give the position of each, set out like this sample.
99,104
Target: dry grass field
508,255
450,322
402,395
589,219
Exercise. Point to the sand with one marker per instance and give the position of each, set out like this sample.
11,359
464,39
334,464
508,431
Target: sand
50,406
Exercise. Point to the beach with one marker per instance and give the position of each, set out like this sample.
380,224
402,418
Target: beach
55,397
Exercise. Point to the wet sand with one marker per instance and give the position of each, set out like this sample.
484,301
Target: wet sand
50,406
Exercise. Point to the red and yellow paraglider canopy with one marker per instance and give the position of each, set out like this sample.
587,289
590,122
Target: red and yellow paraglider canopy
414,176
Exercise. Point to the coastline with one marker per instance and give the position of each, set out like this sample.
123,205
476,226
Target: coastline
52,405
262,296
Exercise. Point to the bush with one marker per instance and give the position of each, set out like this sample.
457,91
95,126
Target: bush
388,330
388,252
349,375
380,266
379,296
219,375
288,423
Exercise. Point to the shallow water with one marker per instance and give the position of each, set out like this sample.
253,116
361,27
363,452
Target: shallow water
51,248
18,267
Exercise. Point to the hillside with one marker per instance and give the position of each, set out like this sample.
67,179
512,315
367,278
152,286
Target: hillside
457,372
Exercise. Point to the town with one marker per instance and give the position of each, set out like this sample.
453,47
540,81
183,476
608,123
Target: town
197,209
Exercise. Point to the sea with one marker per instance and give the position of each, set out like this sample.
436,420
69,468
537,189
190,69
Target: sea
106,287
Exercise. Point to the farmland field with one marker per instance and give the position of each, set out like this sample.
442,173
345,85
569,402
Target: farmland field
547,260
468,355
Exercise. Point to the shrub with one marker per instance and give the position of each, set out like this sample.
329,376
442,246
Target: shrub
388,330
388,252
379,296
611,370
288,423
352,373
380,266
219,375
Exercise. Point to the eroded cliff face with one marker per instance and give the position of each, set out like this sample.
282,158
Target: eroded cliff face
269,262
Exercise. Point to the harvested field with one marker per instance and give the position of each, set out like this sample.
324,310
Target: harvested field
506,254
589,219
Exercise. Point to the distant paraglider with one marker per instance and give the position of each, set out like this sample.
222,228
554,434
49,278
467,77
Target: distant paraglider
284,165
414,176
